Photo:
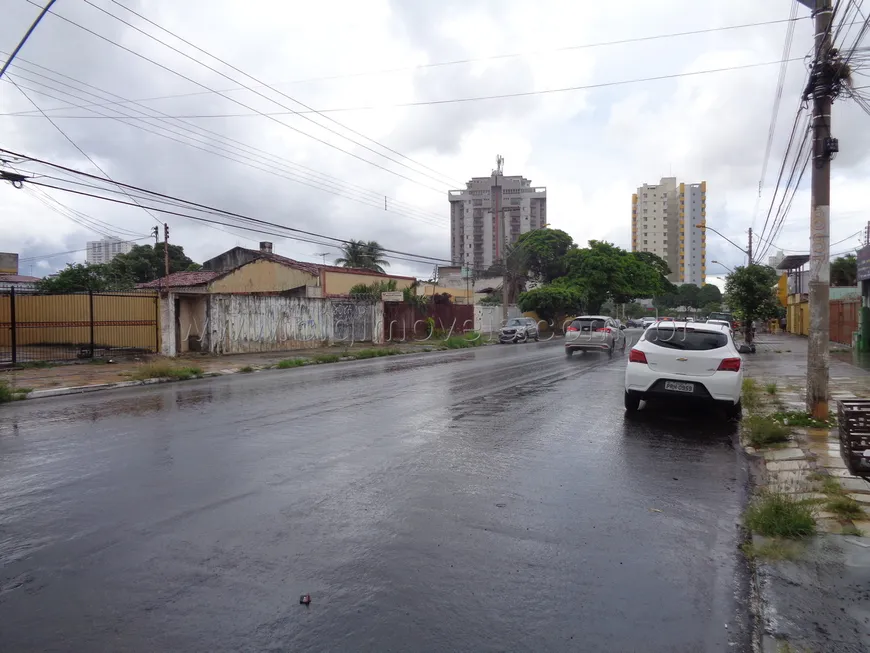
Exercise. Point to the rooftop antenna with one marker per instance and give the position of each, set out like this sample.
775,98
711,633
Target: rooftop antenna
499,165
322,255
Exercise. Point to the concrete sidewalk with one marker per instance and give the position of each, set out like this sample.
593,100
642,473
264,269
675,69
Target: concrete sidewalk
818,601
100,373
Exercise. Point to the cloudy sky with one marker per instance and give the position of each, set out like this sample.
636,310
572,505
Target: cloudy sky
591,147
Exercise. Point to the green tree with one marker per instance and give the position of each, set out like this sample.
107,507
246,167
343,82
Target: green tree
543,252
82,277
147,263
364,255
551,301
750,291
844,271
709,294
655,261
712,307
688,295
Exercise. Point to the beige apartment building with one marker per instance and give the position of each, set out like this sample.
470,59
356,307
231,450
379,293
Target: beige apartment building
667,219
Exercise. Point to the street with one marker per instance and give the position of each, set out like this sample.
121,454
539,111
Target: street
494,499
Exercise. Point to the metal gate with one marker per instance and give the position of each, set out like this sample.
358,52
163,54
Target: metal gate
55,327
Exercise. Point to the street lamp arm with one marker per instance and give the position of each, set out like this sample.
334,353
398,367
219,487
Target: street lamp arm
703,226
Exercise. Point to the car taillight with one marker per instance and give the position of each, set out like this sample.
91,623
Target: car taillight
570,328
730,365
604,330
636,356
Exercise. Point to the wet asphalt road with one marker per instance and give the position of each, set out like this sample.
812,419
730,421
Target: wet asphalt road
486,500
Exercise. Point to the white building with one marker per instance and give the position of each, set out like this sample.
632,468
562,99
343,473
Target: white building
490,213
667,219
103,251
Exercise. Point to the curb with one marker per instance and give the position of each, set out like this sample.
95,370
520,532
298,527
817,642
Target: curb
98,387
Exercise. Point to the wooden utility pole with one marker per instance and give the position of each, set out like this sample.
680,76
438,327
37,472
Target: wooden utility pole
166,248
822,90
749,251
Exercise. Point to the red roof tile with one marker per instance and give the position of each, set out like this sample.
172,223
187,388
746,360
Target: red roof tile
18,278
181,280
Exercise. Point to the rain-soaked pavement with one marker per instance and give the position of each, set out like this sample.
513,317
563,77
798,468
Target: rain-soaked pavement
486,500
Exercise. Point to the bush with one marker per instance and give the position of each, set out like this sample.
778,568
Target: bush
8,393
774,514
290,362
326,358
762,431
771,388
549,301
470,339
166,370
247,369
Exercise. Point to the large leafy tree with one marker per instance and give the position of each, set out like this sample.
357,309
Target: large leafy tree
146,262
82,277
364,255
543,252
551,301
709,294
750,292
844,271
688,295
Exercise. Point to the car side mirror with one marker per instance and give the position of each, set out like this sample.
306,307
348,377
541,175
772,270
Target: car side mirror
744,349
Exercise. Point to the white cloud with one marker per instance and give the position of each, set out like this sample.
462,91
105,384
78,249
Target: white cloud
591,149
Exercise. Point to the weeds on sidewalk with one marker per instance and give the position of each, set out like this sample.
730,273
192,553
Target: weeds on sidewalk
363,354
164,370
774,514
803,419
287,363
247,369
326,358
471,339
762,431
845,507
851,529
771,388
773,549
750,395
8,393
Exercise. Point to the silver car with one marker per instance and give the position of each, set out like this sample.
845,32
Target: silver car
594,333
519,329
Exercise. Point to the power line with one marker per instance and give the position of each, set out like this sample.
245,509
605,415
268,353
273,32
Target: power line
456,62
777,98
72,251
258,81
195,205
68,138
242,104
26,36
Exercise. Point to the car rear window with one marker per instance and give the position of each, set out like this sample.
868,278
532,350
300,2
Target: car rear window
587,325
686,339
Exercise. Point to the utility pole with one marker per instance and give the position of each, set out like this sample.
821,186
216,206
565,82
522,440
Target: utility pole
821,88
155,231
749,251
166,247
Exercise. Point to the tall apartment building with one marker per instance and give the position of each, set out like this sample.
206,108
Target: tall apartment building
490,213
667,220
103,251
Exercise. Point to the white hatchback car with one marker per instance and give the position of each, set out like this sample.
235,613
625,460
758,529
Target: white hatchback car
684,360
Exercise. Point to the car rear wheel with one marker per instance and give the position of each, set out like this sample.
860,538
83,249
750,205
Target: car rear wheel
569,352
632,401
734,411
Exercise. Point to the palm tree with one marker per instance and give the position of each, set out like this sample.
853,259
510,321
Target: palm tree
359,254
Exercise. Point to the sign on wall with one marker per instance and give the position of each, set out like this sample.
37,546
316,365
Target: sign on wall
392,296
864,264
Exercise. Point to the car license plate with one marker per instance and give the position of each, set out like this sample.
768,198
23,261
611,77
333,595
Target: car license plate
678,386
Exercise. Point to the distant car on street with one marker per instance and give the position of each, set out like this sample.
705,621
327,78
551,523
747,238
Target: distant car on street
645,322
519,329
594,333
689,361
720,322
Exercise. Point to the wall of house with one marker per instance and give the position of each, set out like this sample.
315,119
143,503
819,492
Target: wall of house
252,323
340,283
263,276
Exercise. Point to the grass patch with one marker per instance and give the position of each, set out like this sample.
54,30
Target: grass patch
8,393
803,419
771,388
287,363
845,507
750,394
773,549
164,370
326,358
470,339
774,514
33,365
762,431
831,486
362,354
247,369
